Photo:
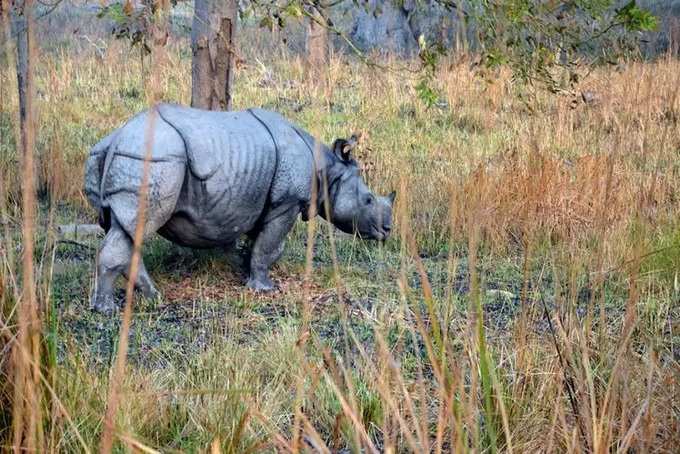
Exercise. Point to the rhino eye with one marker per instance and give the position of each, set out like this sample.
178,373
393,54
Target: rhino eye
369,200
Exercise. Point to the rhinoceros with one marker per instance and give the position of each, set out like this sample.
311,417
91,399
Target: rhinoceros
214,177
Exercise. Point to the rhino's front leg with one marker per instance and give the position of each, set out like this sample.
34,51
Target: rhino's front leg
268,248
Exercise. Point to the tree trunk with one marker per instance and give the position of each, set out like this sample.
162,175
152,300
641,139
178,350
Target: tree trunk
7,63
316,41
6,32
212,43
157,17
22,41
26,401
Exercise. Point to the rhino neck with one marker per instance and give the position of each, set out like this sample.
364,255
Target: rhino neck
328,175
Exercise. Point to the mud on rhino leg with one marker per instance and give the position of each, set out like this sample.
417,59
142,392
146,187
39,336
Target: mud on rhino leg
114,259
268,248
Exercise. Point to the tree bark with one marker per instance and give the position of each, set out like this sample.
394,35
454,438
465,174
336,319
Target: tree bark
316,41
22,42
7,63
212,44
6,32
26,354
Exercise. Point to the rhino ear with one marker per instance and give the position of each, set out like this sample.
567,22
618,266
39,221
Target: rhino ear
343,148
392,196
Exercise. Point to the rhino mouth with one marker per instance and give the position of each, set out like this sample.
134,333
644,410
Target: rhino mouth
376,233
368,232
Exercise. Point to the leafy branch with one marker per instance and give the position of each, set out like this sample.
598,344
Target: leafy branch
275,14
555,44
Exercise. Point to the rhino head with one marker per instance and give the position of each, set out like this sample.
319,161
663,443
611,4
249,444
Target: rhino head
353,207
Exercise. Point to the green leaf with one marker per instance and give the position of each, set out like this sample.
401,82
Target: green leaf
426,93
495,58
636,19
267,22
114,12
293,10
422,44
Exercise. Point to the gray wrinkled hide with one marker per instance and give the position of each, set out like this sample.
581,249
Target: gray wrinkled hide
215,176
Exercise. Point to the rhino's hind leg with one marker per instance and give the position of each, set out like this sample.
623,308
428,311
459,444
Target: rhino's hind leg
268,248
144,284
114,260
238,255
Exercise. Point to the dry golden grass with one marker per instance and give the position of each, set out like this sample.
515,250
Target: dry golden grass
572,210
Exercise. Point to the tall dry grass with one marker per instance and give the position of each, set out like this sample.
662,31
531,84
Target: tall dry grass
583,200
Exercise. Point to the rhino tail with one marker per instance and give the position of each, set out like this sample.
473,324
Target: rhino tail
96,168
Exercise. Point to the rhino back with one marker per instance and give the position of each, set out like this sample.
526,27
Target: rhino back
123,172
127,151
233,160
130,140
295,167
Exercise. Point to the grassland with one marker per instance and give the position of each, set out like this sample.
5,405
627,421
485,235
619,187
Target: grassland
528,302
